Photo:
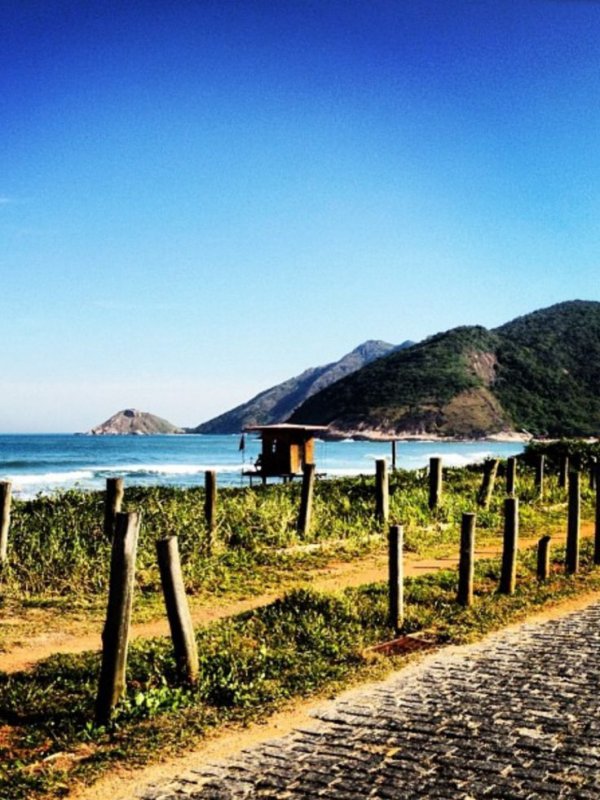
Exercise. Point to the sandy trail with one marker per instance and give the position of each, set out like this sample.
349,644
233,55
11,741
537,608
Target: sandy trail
337,575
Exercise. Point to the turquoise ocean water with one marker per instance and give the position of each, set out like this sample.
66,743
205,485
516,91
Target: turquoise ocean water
37,463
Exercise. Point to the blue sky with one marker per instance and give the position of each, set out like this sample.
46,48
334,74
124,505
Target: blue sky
200,199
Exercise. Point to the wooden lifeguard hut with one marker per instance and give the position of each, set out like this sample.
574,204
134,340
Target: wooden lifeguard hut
286,448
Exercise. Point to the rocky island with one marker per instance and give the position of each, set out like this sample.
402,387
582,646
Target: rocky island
130,421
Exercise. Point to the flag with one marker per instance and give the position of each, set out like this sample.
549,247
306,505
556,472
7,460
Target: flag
242,443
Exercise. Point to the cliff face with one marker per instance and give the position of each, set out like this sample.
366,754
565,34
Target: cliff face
277,403
132,421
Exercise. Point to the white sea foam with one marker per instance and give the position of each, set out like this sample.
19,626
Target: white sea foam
165,469
52,478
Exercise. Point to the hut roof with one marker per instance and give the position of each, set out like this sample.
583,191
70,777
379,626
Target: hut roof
285,427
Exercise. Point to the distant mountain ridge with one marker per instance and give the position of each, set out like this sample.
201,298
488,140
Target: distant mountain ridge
279,402
539,372
132,421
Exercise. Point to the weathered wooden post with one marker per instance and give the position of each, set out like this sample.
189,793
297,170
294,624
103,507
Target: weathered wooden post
508,576
466,561
306,499
5,501
382,490
210,503
511,474
435,482
393,455
178,611
543,558
115,637
113,501
539,474
563,471
396,576
490,468
597,525
573,524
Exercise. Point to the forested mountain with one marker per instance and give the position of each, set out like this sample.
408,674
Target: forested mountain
540,372
277,403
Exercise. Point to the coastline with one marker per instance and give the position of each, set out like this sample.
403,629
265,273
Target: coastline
373,435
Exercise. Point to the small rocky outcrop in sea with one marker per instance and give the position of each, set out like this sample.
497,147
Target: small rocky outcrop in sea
130,421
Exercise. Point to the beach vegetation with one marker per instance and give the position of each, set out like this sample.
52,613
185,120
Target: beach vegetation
59,555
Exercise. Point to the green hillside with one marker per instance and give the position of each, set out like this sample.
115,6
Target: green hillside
549,369
539,372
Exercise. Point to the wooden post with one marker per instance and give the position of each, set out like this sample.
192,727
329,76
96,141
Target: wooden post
396,576
539,474
393,455
573,524
5,501
543,558
508,577
210,503
306,499
467,558
511,474
382,490
113,500
597,526
435,482
178,612
115,637
592,483
563,471
490,468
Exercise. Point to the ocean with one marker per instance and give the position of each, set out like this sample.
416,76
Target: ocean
47,463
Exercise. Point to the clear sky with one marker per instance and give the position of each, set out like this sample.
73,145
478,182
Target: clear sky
200,199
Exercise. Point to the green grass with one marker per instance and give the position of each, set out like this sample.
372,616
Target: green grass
58,553
251,664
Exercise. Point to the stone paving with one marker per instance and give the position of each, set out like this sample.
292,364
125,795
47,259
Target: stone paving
516,716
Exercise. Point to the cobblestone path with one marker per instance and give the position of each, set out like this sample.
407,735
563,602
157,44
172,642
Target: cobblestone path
516,716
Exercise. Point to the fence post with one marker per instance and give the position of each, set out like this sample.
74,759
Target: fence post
115,636
396,576
210,503
435,482
511,474
5,500
113,500
597,526
467,558
573,524
543,558
508,577
178,612
490,468
563,471
382,490
306,499
539,474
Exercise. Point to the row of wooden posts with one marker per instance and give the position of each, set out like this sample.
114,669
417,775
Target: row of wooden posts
510,547
115,490
123,530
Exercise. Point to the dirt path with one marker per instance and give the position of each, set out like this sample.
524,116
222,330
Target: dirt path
74,638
